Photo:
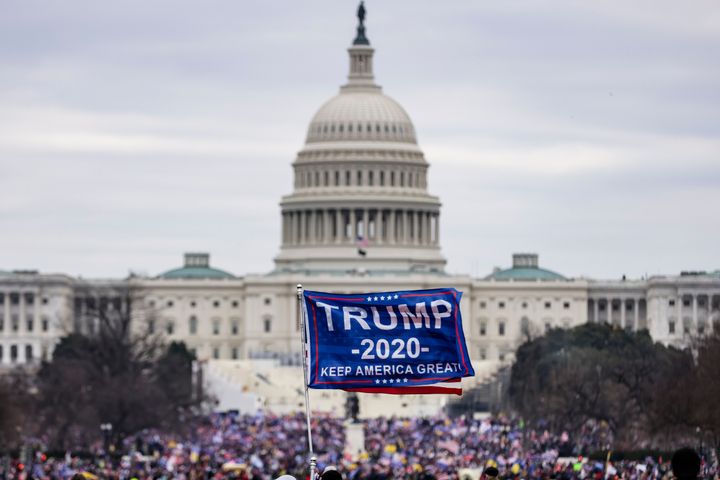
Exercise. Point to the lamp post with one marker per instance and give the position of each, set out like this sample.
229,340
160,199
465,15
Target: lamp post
106,429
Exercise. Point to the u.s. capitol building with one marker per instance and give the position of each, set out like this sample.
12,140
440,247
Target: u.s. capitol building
359,218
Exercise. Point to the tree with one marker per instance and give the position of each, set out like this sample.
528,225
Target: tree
15,403
594,373
115,370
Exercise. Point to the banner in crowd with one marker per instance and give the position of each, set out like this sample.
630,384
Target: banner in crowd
406,342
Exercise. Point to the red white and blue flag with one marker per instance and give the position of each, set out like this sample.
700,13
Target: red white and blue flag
405,342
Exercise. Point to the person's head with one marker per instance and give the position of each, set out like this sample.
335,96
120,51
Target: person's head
286,477
491,472
331,473
685,464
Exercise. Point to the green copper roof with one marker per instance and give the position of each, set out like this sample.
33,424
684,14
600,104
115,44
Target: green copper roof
525,273
196,272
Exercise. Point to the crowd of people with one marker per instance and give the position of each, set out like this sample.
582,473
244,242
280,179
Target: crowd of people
266,446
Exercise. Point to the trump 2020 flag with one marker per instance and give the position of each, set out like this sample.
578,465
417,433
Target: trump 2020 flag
408,342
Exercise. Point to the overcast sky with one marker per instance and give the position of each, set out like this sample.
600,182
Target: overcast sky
133,131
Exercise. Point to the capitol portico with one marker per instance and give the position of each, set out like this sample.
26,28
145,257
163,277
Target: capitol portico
360,218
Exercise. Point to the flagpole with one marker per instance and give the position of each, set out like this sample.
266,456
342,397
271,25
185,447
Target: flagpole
305,359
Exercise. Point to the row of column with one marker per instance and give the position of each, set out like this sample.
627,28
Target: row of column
348,225
17,313
311,178
696,316
633,311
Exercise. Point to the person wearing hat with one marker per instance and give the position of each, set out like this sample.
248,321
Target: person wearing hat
490,473
685,464
331,473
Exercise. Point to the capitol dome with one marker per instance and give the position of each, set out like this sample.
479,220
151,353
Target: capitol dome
360,200
361,115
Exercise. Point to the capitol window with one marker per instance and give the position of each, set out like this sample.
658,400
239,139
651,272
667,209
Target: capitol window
193,325
360,127
216,353
340,128
350,128
337,178
370,178
501,304
483,329
483,304
267,325
671,327
45,324
347,178
566,305
548,305
216,327
170,328
377,128
28,353
359,177
392,179
501,329
382,179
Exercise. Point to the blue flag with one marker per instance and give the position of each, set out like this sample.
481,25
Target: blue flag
390,342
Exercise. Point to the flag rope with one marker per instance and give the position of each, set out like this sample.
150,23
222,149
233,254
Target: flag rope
305,353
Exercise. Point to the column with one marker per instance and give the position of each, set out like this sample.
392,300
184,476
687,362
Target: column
406,222
694,313
379,226
622,313
437,229
636,307
428,228
326,226
353,226
288,227
303,225
608,311
366,220
416,221
596,311
392,228
338,229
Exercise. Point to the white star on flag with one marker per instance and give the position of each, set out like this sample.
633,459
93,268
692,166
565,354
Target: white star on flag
382,298
384,381
369,298
376,298
396,296
378,381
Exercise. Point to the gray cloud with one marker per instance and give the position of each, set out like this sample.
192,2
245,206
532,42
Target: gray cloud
133,131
